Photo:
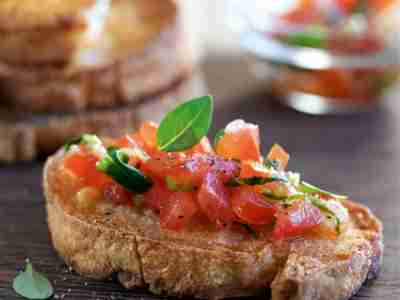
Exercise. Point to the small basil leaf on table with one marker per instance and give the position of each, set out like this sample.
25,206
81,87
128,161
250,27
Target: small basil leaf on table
185,126
115,164
313,37
308,188
218,136
32,285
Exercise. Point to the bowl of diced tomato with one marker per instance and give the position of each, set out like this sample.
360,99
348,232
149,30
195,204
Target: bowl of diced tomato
323,56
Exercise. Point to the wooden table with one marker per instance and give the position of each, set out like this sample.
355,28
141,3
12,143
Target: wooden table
356,155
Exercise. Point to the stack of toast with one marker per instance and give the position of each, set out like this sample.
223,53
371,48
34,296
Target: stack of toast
98,66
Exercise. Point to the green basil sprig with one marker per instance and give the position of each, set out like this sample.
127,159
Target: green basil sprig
32,285
174,186
235,182
185,126
115,164
308,188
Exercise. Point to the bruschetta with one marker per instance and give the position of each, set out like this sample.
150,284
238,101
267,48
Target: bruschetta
166,209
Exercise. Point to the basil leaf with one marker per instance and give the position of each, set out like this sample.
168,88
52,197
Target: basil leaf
115,164
32,285
235,182
313,37
308,188
185,126
219,135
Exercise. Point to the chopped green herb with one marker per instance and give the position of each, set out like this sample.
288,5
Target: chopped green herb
185,126
312,36
235,182
87,139
115,164
324,208
272,164
32,285
308,188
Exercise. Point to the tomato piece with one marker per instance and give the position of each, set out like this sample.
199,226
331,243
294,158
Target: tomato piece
83,165
129,140
250,168
117,194
279,154
213,199
297,219
148,134
178,210
204,147
241,141
347,5
157,196
251,207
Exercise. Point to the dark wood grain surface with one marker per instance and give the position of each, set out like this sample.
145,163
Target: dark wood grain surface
357,155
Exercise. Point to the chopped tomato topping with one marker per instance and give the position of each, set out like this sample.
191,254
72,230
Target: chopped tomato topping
117,194
178,210
83,165
157,196
251,207
279,154
213,199
204,147
297,219
251,168
241,141
148,134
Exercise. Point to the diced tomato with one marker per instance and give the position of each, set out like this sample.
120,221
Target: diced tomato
251,168
296,220
279,154
204,147
129,140
347,5
251,207
157,196
276,188
213,199
148,134
178,210
241,141
117,194
83,165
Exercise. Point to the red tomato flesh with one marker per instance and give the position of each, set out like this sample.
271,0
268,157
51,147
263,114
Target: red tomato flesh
157,196
296,220
213,199
242,142
83,165
178,210
117,194
251,207
251,168
204,147
279,154
148,134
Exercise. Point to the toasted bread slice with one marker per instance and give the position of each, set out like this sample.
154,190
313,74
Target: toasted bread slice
25,136
128,81
202,262
109,30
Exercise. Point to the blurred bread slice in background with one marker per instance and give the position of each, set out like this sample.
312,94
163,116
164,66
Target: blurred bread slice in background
139,50
91,66
24,137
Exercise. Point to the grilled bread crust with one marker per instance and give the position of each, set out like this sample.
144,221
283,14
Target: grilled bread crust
26,136
205,263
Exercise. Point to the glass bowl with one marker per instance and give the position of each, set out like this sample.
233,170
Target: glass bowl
349,75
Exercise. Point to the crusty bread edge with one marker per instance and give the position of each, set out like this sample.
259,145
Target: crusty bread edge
133,274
